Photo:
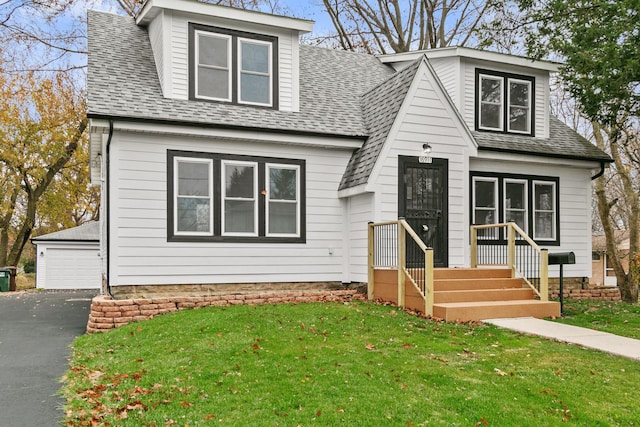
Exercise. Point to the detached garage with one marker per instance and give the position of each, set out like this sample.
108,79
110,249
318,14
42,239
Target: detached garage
69,259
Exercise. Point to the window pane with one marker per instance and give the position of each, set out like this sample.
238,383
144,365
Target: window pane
491,90
193,215
255,88
490,116
239,181
283,218
193,179
545,225
213,51
544,197
519,94
255,57
239,216
519,119
282,183
213,83
514,195
485,194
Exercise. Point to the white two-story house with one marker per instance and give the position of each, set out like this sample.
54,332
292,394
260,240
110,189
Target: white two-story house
231,155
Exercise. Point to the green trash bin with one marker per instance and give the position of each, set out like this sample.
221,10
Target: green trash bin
5,279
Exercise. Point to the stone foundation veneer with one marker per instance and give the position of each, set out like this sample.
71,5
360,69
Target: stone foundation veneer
107,313
596,294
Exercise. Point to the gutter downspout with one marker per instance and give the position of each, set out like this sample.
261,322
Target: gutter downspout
108,206
599,174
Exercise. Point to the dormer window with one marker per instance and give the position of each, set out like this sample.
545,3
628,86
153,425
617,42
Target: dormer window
233,66
504,102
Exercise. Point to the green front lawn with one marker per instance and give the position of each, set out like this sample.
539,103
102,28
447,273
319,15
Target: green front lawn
606,316
356,364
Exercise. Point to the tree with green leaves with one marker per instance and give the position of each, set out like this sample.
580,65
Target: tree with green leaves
599,43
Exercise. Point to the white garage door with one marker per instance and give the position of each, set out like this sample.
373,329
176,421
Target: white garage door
72,268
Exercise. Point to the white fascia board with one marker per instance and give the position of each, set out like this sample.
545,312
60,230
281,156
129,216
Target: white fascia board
328,141
152,8
353,191
537,159
466,52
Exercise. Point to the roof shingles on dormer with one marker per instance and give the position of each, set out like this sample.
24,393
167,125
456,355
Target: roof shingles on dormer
123,83
342,94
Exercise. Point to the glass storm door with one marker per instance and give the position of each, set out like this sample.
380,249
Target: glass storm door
422,202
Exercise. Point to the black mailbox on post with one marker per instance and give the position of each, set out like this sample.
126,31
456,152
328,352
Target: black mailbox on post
562,258
559,258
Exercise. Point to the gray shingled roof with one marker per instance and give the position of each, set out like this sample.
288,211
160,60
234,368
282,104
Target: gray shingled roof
563,142
380,107
87,232
341,94
122,82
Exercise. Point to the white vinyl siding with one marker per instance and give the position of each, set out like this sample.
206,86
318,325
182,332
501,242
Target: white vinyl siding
141,254
541,89
360,211
574,203
426,116
176,58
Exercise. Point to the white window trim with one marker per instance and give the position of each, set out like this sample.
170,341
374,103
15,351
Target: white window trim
240,71
481,103
176,195
198,34
496,205
270,166
528,106
553,210
525,184
224,198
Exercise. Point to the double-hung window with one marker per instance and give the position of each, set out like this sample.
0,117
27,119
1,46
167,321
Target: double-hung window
485,204
193,205
220,197
530,202
504,102
233,66
544,210
283,200
240,198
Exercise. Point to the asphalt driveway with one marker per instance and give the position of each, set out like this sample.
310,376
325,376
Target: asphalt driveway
36,329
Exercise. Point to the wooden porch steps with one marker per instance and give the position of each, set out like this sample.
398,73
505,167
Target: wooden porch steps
467,294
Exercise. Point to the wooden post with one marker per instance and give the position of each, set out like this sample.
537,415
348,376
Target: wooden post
402,258
511,249
370,260
428,281
544,274
474,247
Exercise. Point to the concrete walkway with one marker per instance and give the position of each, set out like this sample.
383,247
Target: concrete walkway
603,341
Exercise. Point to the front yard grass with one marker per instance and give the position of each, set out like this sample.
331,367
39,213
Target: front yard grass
614,317
355,364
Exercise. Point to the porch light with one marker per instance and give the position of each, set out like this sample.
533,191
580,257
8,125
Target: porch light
426,154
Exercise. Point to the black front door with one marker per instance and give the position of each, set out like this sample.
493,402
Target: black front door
422,201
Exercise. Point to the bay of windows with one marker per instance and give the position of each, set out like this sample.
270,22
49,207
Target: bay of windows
530,202
235,198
